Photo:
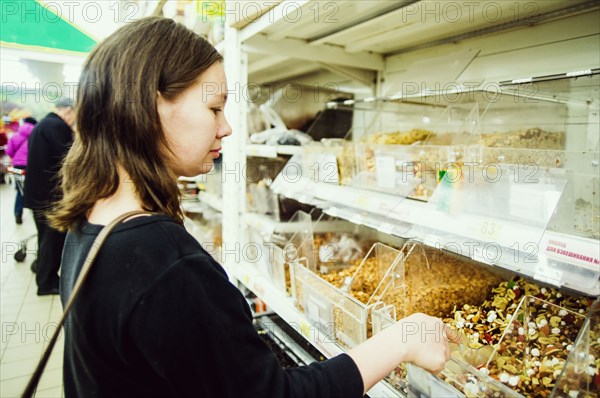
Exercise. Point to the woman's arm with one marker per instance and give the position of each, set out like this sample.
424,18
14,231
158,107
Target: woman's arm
419,339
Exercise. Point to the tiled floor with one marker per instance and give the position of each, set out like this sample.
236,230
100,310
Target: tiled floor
26,320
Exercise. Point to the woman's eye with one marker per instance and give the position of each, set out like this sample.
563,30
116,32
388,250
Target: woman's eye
217,110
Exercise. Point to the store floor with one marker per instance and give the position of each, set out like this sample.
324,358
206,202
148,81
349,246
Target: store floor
26,320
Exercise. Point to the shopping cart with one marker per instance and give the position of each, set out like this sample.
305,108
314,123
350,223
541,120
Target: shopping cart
19,177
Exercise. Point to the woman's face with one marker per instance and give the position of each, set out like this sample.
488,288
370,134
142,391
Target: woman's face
194,123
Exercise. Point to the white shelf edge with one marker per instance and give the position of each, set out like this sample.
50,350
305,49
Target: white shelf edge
405,211
289,149
192,206
283,305
271,151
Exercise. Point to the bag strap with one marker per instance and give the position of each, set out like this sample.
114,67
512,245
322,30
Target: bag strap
87,266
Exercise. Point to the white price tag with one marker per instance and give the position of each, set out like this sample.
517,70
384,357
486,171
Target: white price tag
545,273
312,309
386,172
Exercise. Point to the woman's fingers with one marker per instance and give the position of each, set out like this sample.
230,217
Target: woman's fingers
453,336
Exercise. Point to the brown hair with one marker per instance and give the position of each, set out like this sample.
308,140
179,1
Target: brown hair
118,121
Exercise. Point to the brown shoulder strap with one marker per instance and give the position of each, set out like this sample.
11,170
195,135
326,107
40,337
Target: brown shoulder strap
87,266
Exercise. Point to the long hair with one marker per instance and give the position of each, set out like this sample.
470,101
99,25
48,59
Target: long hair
117,118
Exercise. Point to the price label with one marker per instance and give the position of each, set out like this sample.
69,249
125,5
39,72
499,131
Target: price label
489,230
362,201
305,329
246,279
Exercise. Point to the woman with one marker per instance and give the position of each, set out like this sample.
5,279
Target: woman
158,316
17,151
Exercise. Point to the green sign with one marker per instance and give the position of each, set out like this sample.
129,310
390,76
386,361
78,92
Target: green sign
28,24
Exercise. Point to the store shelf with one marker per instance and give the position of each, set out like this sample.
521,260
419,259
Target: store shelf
283,305
271,151
477,237
266,225
193,206
374,49
211,200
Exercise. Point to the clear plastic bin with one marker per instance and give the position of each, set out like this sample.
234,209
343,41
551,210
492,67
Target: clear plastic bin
435,283
303,242
578,209
336,310
529,360
430,281
298,246
460,380
535,345
581,374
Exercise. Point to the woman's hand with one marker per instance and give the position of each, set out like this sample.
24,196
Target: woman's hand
424,341
419,339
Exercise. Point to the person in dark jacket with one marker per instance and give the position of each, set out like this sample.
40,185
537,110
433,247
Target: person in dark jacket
157,316
17,151
49,142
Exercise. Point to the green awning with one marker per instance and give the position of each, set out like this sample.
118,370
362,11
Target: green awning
27,24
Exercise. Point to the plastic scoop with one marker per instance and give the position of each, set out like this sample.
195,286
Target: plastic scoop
476,357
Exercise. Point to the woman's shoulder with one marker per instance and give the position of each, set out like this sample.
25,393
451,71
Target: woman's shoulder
148,233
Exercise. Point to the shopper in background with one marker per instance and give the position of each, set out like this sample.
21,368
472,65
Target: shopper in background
157,316
17,151
3,142
49,142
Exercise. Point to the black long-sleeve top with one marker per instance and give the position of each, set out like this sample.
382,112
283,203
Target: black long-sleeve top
158,317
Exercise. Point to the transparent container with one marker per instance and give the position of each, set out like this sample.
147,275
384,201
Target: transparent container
434,282
564,109
420,120
343,312
529,361
314,240
581,374
400,147
521,121
578,209
460,380
299,247
430,281
259,174
535,345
